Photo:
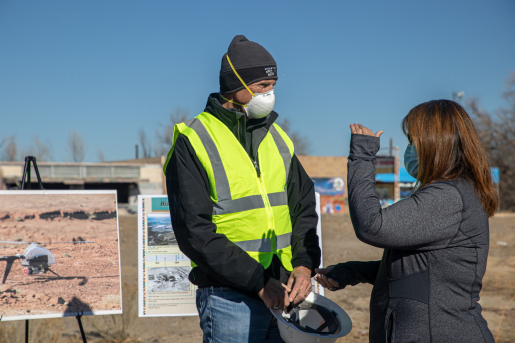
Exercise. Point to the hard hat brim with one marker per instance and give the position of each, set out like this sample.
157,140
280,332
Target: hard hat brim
290,333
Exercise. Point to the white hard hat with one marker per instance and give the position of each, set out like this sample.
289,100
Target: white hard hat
317,319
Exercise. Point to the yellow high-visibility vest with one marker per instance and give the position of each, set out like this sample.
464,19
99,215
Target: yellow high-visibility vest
251,210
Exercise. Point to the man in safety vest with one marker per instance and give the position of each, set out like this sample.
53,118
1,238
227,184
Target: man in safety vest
242,206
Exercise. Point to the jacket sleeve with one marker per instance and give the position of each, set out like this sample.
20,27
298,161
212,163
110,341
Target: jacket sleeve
427,220
354,272
191,212
302,204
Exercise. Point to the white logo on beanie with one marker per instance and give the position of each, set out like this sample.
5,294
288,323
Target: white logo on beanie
271,71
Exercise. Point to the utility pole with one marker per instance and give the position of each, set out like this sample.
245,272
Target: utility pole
137,151
396,177
391,146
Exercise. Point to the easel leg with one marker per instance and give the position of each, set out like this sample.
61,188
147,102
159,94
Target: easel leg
26,331
78,316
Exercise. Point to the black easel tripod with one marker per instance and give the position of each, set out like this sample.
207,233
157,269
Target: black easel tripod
26,173
27,185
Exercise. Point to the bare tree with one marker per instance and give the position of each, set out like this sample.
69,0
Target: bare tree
100,156
497,131
145,145
301,143
165,137
76,146
9,149
39,149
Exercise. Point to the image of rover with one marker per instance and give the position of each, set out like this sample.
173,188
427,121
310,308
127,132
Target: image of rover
35,259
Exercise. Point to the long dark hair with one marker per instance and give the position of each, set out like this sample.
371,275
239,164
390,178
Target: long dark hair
448,148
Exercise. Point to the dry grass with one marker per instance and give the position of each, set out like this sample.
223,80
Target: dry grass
116,328
40,331
9,333
50,330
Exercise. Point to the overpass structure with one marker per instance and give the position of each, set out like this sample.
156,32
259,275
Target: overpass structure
129,178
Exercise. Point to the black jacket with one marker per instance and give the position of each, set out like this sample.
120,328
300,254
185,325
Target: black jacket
219,262
426,286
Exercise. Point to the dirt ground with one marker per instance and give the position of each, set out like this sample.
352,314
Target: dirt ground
340,244
88,274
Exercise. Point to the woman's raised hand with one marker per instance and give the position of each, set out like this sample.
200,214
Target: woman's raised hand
362,130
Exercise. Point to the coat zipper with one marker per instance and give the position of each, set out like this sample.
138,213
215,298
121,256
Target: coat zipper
257,168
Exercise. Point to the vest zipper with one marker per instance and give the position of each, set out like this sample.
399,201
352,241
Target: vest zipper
268,207
257,168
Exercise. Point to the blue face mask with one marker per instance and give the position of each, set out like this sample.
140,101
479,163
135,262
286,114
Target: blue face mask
411,160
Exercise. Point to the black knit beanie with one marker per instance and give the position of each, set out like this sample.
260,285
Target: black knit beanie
252,62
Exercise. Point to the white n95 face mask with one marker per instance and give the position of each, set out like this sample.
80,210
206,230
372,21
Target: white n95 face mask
260,105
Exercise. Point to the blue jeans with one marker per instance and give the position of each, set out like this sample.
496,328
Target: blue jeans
227,316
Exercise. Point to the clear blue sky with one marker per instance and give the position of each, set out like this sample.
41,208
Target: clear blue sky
109,68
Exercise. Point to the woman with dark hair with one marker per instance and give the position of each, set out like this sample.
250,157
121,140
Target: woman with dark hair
426,286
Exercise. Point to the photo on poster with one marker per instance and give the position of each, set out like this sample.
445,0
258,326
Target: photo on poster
160,231
59,254
168,279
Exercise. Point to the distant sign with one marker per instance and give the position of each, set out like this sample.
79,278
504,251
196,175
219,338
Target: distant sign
495,174
384,164
332,194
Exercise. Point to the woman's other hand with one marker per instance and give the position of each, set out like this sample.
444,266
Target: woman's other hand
326,282
362,130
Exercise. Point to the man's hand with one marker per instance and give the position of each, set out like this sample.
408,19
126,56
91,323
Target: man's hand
326,282
275,295
300,284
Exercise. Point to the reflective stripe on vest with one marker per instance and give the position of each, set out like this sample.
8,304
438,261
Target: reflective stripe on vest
225,203
283,149
265,245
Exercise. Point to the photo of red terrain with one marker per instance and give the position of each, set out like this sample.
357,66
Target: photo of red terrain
59,254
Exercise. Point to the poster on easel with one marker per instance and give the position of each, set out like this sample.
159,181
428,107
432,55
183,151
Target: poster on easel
59,254
163,285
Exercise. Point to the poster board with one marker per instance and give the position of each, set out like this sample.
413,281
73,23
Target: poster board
163,285
63,247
